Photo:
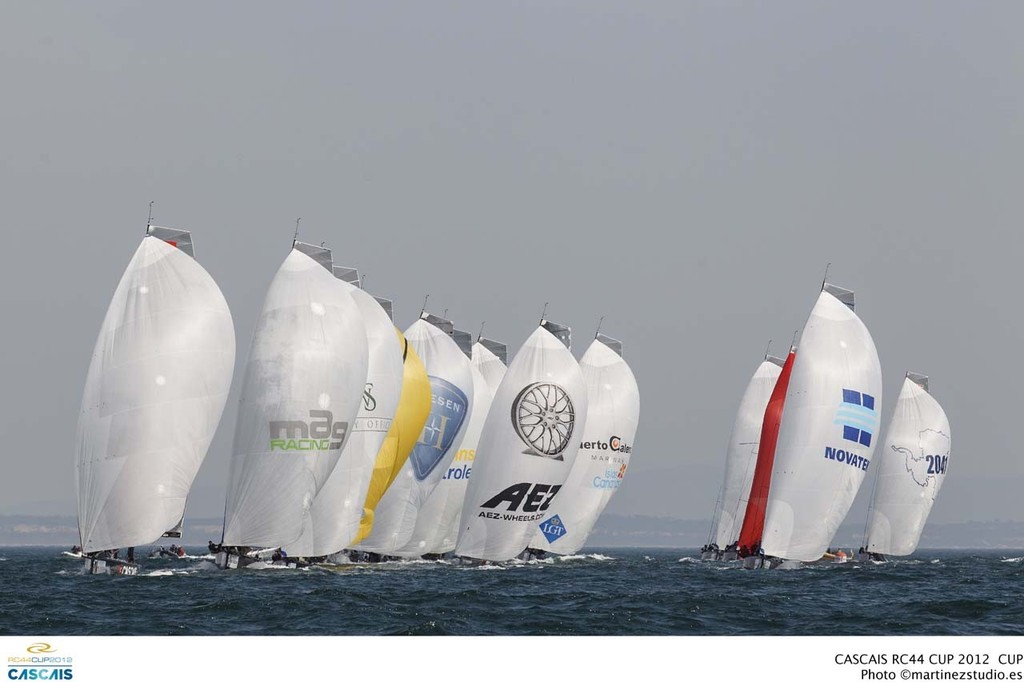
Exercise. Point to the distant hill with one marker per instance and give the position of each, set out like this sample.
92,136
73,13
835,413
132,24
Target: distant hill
611,531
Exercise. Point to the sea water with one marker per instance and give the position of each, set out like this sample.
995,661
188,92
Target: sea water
599,592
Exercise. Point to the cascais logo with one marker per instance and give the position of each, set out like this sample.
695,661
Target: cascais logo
321,432
544,417
40,665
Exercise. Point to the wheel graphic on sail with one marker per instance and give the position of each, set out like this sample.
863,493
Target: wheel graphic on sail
544,417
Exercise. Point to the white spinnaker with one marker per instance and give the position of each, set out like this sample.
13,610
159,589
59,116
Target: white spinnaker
338,506
451,388
822,455
303,387
437,525
911,469
741,457
613,412
489,365
157,384
514,482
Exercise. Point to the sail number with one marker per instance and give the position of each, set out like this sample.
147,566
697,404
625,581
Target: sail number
937,463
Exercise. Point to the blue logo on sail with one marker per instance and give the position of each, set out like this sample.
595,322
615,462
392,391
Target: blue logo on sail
448,406
857,416
552,528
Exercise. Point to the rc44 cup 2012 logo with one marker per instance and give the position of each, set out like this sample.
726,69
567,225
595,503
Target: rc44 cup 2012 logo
544,417
41,661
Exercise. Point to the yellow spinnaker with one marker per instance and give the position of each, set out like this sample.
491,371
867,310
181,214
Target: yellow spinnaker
410,417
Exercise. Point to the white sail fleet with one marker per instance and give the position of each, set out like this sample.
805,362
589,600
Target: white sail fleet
357,441
354,440
805,439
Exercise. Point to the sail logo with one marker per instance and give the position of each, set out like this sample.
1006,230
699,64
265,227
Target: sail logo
321,432
448,407
553,528
534,498
925,469
40,667
457,471
544,418
857,415
615,444
611,479
369,402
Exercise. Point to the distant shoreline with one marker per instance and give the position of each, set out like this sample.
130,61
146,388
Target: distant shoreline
611,532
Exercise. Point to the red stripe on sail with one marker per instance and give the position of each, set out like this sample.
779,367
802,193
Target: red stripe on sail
174,244
757,503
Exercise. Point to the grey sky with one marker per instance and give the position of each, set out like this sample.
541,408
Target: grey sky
686,169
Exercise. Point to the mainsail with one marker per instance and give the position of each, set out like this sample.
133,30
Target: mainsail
410,416
157,384
741,455
437,524
451,387
613,412
911,469
303,386
828,431
338,507
526,450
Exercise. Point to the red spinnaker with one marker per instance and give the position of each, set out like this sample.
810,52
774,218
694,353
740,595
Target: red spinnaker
757,503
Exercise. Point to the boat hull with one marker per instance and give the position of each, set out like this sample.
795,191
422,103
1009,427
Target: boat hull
110,567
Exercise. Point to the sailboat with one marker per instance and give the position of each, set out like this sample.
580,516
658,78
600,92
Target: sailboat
911,468
606,446
156,388
338,507
490,357
437,524
407,426
527,448
741,460
451,387
828,431
304,383
752,529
